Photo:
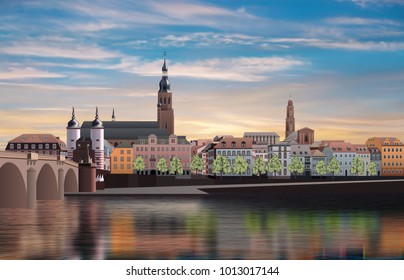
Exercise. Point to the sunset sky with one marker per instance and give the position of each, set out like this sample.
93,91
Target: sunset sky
232,65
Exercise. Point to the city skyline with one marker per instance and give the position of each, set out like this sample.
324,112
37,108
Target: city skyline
232,65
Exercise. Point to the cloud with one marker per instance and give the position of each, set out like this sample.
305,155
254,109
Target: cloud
27,73
94,26
360,21
242,69
365,3
343,44
60,49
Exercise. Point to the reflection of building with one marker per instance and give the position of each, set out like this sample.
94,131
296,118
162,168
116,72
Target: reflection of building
391,149
46,144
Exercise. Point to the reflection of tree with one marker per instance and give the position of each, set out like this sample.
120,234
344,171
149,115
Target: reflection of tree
204,226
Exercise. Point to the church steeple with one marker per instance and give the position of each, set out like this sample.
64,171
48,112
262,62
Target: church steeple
165,112
164,82
290,118
113,114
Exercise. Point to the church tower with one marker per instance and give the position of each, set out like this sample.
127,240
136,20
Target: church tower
73,134
290,118
165,112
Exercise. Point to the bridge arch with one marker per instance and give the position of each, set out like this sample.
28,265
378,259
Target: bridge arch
13,193
46,184
70,184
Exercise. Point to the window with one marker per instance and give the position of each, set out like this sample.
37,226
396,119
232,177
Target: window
223,144
128,166
128,152
152,149
169,100
11,146
243,144
173,149
173,141
122,159
122,152
128,159
115,166
219,152
152,141
54,146
228,153
122,166
115,158
248,153
33,146
25,146
233,144
146,149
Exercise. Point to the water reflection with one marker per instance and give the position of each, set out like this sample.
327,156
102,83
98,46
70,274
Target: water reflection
196,228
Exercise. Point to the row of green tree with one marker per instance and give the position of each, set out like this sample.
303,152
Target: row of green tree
221,165
175,167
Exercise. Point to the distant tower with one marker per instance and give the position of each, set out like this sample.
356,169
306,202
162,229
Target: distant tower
97,139
113,114
290,118
165,112
73,133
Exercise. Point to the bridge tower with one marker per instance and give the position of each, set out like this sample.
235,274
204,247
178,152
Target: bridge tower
97,139
73,134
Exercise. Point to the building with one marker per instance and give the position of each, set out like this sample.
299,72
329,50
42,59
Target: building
343,151
305,136
391,149
283,151
122,159
376,157
303,153
263,138
363,152
231,147
316,157
154,147
46,144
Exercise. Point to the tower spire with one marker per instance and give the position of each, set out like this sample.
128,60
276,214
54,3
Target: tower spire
73,116
113,114
164,82
96,112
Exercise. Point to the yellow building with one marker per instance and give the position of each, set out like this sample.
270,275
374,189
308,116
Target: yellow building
391,150
122,159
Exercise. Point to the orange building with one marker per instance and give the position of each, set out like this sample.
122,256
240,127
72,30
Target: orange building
391,150
122,159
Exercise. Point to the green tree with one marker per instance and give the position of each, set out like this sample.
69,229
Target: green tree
259,167
221,165
176,166
274,164
196,163
357,167
333,166
296,166
321,168
372,168
240,166
162,165
138,164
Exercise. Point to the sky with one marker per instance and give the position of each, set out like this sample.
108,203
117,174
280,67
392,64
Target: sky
232,65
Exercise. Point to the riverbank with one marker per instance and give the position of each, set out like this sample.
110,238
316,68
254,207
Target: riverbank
284,188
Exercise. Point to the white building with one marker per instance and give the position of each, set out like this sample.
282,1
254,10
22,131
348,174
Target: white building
283,151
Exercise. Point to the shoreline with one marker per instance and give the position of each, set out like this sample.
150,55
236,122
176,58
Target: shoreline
286,188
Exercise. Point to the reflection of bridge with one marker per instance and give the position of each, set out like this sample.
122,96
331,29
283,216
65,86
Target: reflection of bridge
24,178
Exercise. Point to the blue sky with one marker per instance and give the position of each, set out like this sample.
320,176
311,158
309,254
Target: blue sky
232,64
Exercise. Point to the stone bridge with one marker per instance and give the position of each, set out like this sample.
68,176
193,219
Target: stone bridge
26,178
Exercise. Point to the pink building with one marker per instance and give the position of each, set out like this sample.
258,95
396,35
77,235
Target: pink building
152,148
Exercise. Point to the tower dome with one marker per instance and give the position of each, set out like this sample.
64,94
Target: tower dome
97,123
164,82
73,123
